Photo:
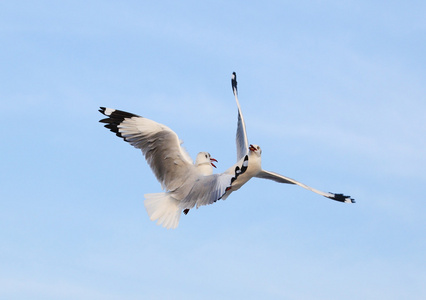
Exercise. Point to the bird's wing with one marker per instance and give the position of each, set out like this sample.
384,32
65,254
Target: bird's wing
170,163
241,138
282,179
208,189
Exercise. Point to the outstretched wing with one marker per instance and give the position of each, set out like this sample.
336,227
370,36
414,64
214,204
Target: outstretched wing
282,179
241,139
170,163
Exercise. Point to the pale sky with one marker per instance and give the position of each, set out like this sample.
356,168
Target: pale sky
333,91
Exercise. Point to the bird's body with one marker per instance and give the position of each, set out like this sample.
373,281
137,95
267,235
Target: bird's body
254,168
187,184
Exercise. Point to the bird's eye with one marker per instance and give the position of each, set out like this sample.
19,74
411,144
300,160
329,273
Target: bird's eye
206,155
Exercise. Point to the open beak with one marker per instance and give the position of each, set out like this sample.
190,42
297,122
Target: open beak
212,159
252,148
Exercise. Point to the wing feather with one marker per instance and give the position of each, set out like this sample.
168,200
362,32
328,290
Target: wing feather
160,145
241,138
283,179
208,189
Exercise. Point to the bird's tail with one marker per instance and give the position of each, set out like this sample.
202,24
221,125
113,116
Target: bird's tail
164,207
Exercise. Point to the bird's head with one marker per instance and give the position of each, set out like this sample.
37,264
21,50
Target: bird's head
255,149
204,158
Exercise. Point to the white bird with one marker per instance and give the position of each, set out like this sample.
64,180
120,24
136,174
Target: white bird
254,168
186,184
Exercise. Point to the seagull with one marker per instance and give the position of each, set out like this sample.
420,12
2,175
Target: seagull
254,168
186,184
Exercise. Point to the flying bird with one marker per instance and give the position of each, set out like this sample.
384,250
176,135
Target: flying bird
189,184
186,184
254,168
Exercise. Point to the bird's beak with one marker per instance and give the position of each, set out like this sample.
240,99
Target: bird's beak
252,148
212,159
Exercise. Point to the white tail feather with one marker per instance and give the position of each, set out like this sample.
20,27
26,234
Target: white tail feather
164,207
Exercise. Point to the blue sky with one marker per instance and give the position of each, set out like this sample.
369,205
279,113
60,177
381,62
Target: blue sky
333,91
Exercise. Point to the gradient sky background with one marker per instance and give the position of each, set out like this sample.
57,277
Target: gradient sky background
333,91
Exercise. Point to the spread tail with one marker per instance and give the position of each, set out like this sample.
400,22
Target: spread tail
164,207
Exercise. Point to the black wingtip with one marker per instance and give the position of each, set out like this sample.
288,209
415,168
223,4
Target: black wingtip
114,119
234,82
342,198
238,171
